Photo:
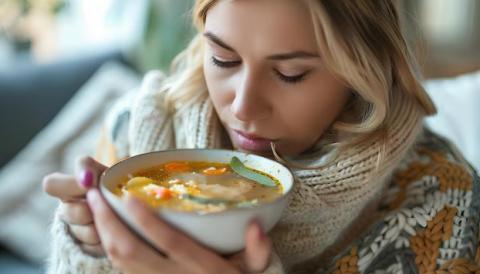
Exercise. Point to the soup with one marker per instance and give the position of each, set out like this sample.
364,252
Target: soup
202,187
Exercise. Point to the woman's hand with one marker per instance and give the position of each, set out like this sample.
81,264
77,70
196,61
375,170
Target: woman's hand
131,255
74,210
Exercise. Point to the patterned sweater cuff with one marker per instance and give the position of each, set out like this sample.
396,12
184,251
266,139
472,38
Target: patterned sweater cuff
67,257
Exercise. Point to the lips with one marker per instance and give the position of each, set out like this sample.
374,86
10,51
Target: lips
250,136
251,142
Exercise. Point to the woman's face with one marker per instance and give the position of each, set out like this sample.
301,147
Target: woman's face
266,77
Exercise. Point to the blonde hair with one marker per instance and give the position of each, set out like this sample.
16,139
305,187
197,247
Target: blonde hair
361,42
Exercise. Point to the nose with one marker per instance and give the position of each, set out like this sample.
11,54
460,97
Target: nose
251,102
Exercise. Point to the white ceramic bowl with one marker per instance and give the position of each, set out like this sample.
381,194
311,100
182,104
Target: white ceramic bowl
222,231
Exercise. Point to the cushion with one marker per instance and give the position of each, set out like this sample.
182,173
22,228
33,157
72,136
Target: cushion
25,210
458,119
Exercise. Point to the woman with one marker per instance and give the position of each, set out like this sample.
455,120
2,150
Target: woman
328,87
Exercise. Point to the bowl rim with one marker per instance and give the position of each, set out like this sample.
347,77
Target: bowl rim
285,195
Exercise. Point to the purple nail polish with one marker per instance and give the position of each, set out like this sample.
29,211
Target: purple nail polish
261,233
86,180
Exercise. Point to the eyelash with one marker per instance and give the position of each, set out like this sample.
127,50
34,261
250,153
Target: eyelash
287,79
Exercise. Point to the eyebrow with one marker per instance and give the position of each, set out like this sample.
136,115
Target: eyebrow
218,41
282,56
292,55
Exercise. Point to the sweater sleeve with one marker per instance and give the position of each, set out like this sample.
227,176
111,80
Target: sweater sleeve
67,257
140,110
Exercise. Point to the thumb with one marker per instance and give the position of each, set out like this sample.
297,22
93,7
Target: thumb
88,171
258,248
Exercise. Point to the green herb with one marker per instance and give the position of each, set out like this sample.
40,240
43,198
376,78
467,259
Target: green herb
209,201
203,200
248,203
243,171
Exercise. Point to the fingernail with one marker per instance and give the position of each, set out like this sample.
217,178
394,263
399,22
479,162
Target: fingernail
260,233
86,180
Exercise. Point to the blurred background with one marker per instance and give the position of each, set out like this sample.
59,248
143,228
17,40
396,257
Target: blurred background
63,63
446,35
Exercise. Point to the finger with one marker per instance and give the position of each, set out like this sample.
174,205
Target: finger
164,236
93,250
85,234
76,213
258,248
88,171
120,244
62,186
175,244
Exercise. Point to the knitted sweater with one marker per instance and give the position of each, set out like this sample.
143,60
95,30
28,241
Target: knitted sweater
415,211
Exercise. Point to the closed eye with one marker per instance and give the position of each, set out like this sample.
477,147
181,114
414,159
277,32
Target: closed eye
225,64
291,79
285,78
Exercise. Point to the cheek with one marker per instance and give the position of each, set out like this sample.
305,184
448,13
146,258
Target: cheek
305,120
310,114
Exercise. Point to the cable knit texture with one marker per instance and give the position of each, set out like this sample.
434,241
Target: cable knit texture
67,257
322,217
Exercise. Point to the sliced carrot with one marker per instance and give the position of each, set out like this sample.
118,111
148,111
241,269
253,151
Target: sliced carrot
161,193
214,171
164,194
177,167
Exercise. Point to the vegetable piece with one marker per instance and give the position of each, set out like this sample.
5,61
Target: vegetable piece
159,192
138,182
203,200
163,193
248,203
214,171
177,167
179,189
209,201
243,171
173,181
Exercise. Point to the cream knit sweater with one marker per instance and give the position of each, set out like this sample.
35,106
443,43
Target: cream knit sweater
325,203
